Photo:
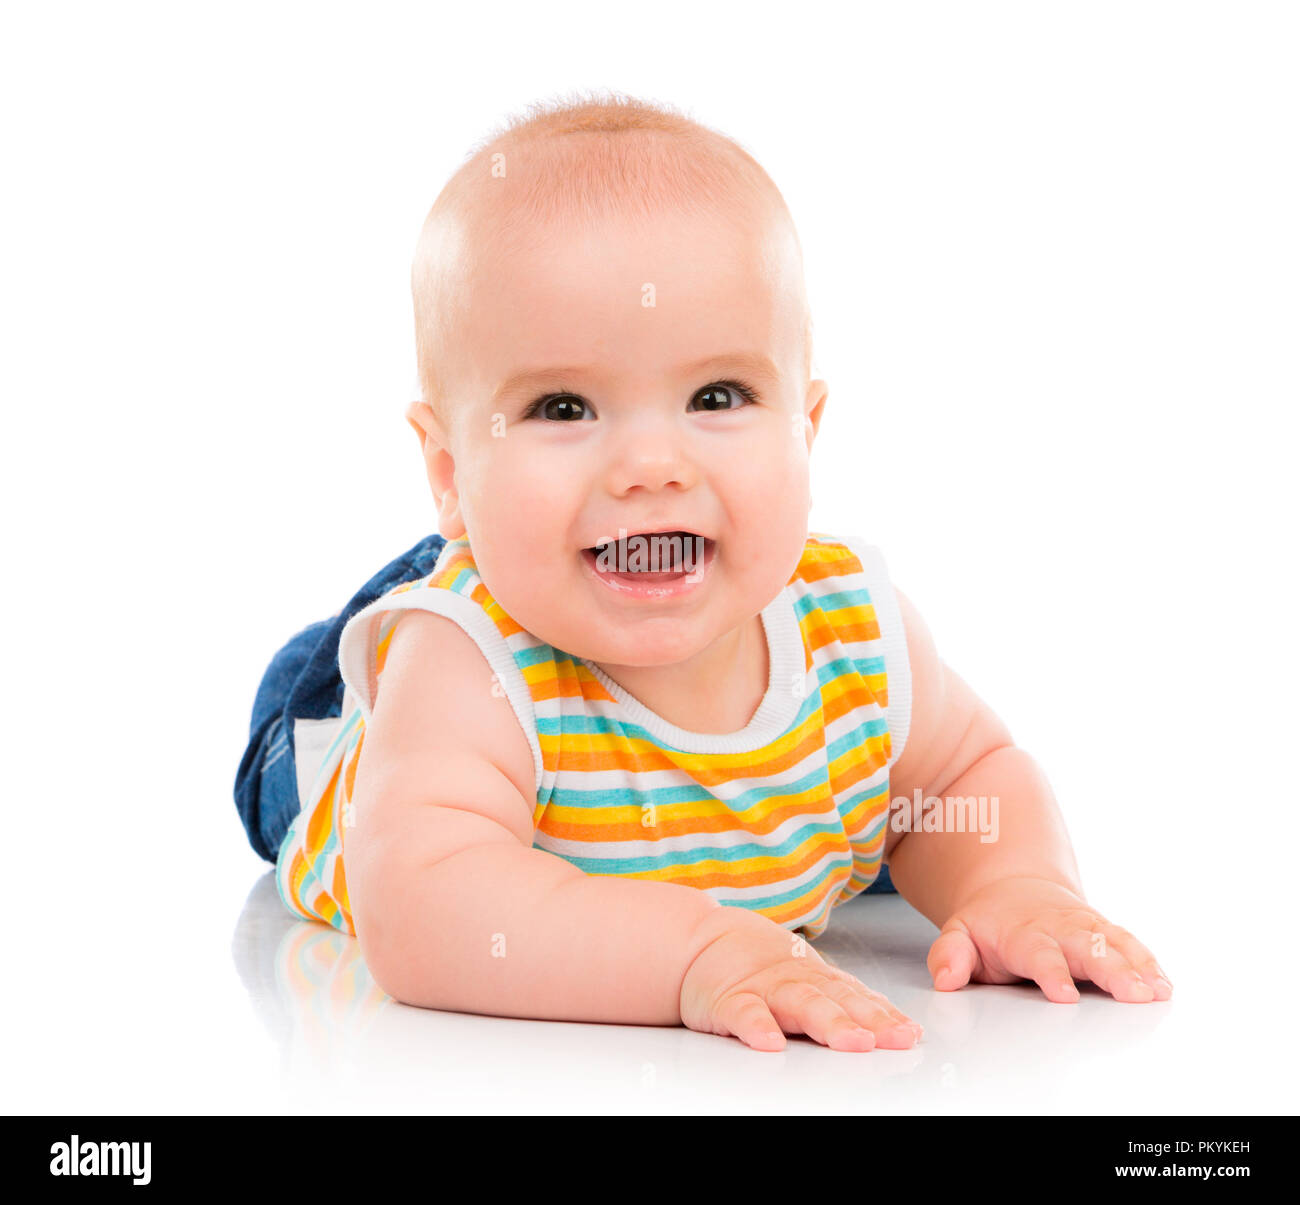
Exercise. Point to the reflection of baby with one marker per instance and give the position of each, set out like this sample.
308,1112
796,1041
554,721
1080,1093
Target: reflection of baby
546,802
308,983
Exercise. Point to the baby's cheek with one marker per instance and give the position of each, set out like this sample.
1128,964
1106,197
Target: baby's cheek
768,532
516,491
776,482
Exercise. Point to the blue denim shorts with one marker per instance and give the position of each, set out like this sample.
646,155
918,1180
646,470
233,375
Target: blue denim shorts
303,683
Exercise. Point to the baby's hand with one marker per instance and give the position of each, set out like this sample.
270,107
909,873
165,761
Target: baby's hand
757,979
1027,928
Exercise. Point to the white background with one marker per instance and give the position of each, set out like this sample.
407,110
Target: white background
1053,256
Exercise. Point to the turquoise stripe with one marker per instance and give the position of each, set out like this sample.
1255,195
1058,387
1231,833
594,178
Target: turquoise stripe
568,725
353,721
846,666
687,792
681,858
813,887
584,725
308,880
873,828
462,582
788,897
539,654
805,604
328,847
856,736
844,598
282,859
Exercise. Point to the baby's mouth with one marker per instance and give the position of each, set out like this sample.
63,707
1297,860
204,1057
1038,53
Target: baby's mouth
649,557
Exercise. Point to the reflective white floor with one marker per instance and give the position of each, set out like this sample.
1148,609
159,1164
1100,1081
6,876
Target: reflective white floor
228,1004
337,1037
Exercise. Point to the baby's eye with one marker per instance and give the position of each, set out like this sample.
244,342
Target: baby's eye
721,395
560,408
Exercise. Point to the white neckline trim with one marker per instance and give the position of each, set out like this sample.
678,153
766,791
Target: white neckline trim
775,714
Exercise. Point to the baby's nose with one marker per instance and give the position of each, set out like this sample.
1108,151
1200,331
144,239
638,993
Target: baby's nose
651,458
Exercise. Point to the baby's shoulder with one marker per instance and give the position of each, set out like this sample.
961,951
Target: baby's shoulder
436,690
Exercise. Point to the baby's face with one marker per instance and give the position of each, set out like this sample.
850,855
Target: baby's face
588,402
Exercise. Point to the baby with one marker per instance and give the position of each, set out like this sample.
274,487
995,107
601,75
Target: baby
616,747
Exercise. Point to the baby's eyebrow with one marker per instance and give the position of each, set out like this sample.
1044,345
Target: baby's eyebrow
753,362
535,377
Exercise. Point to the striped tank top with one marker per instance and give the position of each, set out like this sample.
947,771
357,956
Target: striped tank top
786,816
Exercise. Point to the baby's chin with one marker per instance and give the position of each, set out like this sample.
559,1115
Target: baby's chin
648,643
667,623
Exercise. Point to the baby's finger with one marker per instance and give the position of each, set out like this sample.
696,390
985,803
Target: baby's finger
802,1007
1094,957
952,960
861,989
1037,955
1141,960
893,1030
746,1016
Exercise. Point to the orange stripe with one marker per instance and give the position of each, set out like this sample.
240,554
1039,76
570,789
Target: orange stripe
321,822
350,778
701,876
638,756
721,819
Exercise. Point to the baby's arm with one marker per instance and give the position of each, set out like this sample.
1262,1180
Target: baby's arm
455,910
452,907
1013,907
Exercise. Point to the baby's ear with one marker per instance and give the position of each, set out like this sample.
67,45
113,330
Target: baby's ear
415,412
438,467
815,404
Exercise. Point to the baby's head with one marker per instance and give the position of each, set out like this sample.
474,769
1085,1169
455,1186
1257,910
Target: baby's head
614,339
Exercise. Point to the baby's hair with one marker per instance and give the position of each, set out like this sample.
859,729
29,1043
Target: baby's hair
584,156
598,113
611,151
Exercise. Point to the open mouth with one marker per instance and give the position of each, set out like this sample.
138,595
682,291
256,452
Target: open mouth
651,559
